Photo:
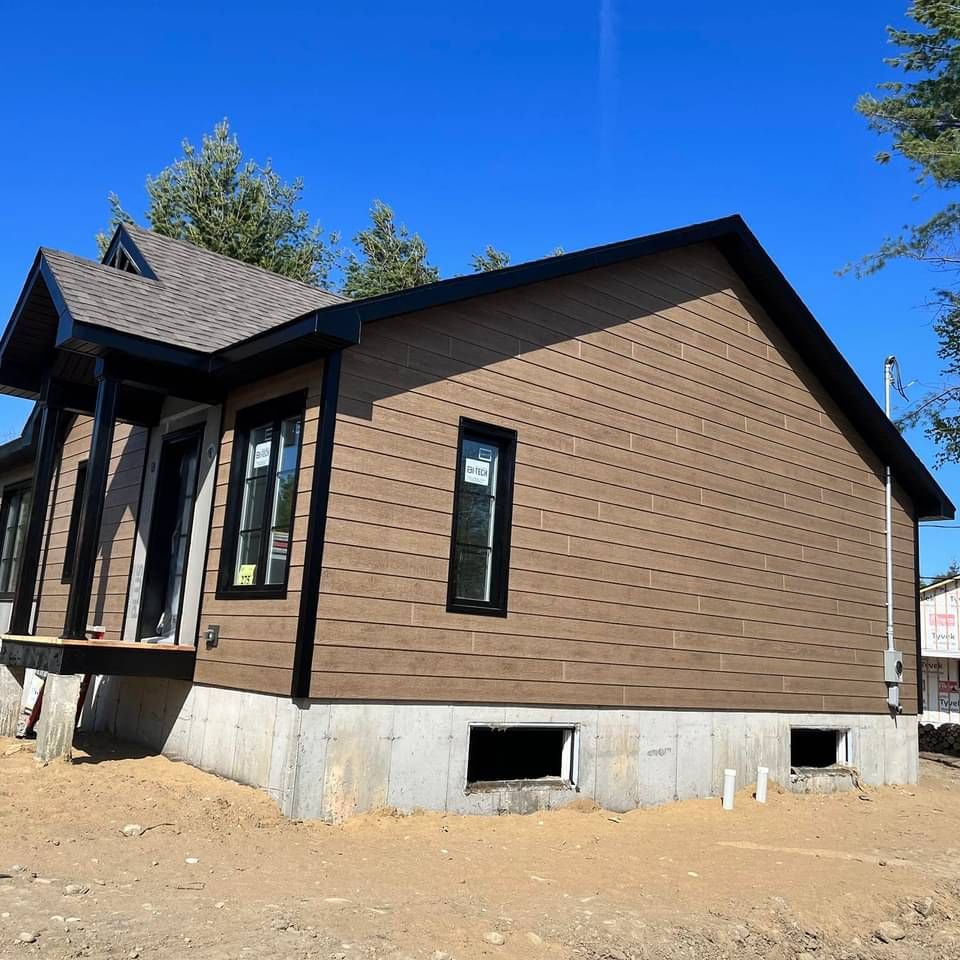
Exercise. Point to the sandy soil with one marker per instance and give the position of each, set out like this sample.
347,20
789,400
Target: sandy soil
218,873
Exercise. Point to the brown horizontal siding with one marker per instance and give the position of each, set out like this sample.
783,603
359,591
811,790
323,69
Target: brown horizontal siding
677,465
242,676
256,645
117,533
695,524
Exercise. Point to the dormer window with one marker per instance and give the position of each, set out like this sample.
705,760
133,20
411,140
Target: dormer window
122,260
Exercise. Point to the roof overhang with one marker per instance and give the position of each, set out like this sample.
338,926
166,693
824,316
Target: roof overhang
758,272
938,585
20,450
43,338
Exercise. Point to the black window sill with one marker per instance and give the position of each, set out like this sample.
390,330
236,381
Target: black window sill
483,610
6,597
251,593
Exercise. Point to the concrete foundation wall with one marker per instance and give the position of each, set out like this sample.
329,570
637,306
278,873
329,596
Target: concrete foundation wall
323,760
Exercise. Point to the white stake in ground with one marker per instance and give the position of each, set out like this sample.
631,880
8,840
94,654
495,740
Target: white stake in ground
762,775
729,788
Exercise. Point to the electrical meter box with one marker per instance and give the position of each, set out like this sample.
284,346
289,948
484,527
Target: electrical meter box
892,666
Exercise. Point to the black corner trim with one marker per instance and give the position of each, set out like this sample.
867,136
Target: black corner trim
316,529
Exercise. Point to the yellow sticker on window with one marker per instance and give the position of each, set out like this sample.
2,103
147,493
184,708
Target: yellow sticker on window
246,574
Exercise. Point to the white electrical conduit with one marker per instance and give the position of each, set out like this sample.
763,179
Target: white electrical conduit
763,774
729,788
893,689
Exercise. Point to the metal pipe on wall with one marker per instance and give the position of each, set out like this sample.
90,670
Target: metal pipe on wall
893,689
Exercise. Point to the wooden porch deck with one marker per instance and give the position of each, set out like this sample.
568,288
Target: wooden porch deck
56,655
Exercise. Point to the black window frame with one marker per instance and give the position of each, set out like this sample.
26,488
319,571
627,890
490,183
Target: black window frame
22,491
275,410
73,531
506,439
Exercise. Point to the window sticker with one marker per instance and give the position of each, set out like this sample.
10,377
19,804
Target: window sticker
261,455
246,574
477,471
485,453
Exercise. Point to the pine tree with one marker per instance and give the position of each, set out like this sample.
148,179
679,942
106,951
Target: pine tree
215,198
391,258
920,113
490,259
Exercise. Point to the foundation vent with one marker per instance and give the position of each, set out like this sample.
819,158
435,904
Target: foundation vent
521,755
818,748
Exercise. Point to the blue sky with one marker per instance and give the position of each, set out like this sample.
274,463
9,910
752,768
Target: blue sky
525,125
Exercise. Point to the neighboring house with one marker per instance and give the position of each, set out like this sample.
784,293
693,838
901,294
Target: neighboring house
610,522
940,652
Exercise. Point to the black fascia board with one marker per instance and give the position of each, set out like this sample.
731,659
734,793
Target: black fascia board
110,341
332,326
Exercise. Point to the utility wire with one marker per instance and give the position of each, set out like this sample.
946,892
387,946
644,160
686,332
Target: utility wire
897,384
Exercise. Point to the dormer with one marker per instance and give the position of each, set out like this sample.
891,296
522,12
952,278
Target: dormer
123,254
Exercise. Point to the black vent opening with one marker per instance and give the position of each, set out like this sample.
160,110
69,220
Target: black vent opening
498,754
816,748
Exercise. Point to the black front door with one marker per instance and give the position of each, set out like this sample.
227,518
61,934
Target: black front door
166,562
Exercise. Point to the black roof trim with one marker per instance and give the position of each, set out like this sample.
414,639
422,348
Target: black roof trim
20,450
109,340
18,307
756,269
335,325
494,281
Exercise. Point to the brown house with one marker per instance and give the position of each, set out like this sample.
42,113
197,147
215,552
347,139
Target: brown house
608,522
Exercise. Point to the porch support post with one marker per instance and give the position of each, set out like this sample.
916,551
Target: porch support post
101,446
52,420
11,696
58,718
316,529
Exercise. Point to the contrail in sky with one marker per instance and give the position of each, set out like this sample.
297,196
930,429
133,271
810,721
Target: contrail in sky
607,74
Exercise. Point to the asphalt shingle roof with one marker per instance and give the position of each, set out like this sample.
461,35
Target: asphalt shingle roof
200,300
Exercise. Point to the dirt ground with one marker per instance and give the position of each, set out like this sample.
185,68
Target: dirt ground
219,874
